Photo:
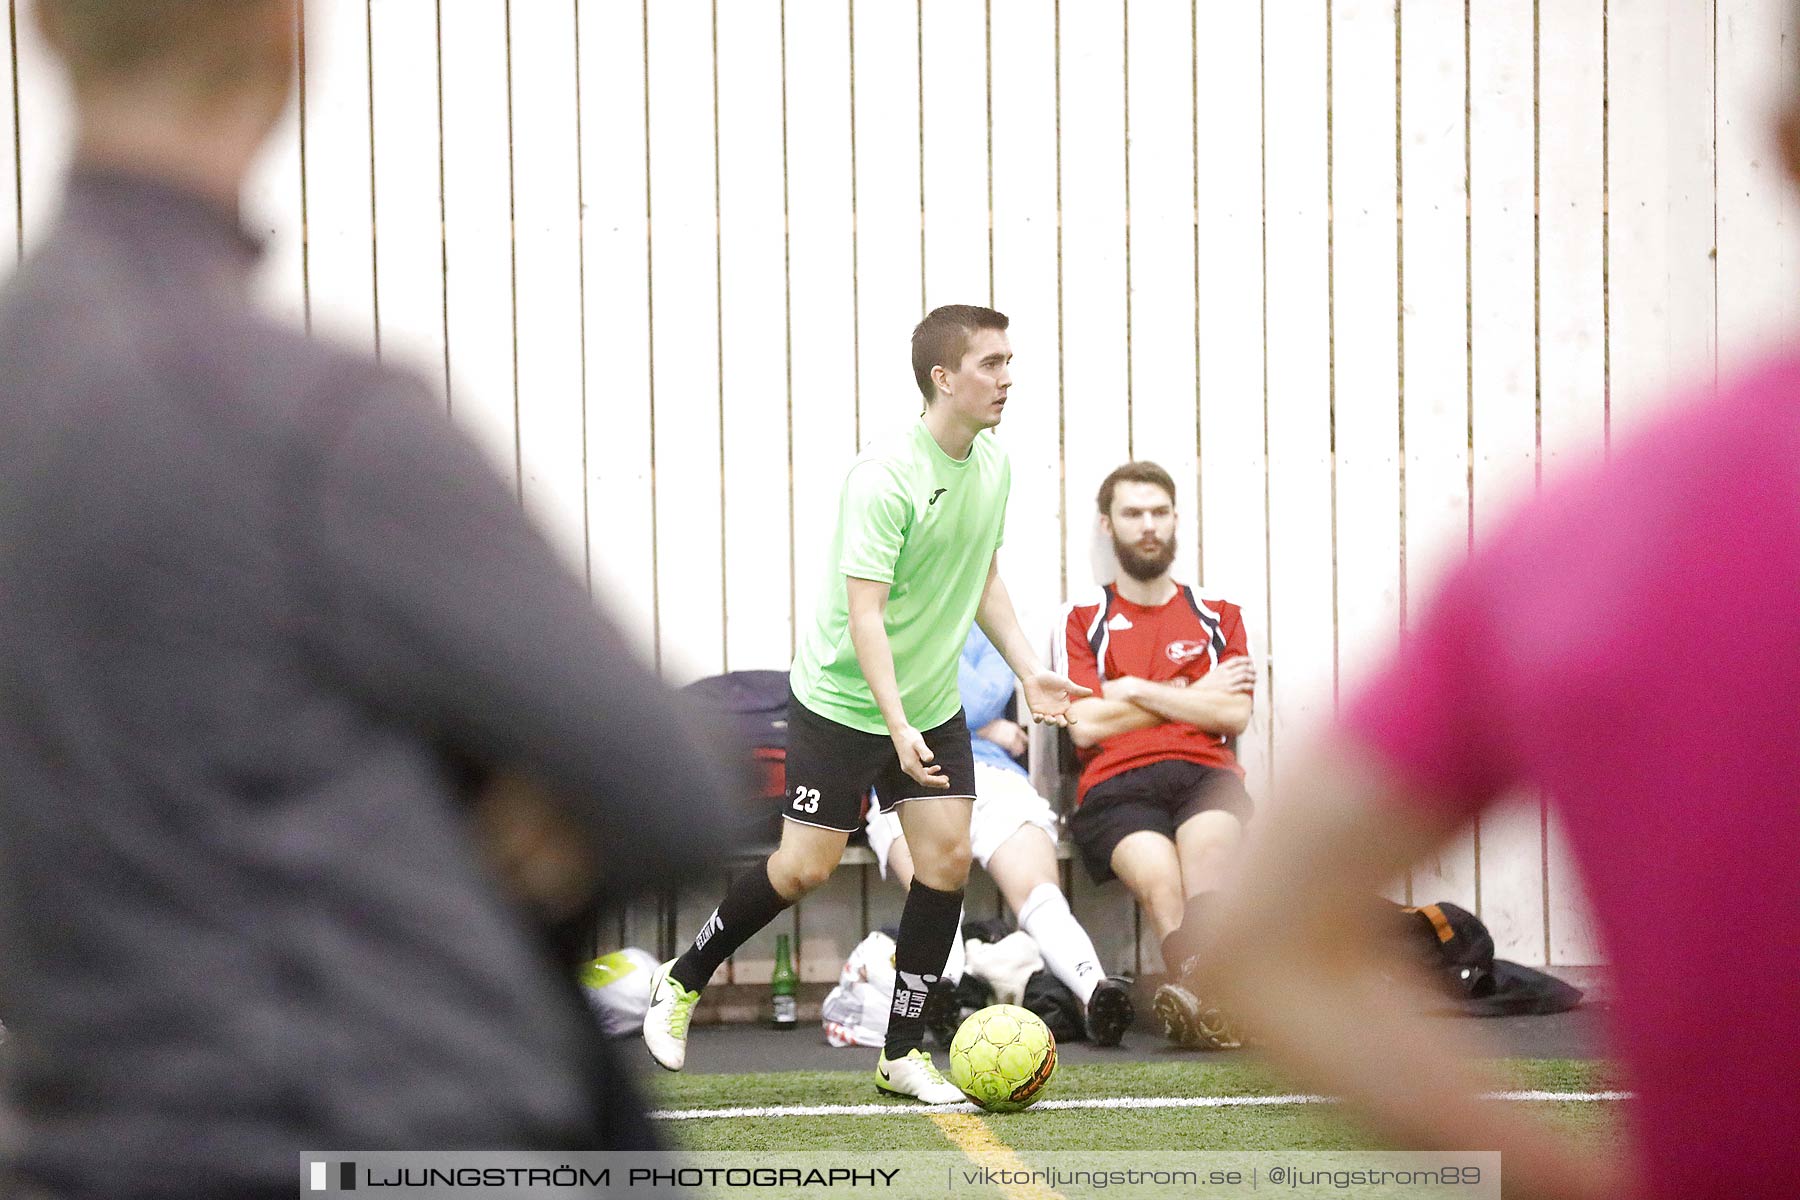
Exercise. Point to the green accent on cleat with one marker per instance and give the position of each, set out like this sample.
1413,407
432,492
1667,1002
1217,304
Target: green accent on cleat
916,1077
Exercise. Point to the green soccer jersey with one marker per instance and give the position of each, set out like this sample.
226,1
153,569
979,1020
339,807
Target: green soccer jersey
928,525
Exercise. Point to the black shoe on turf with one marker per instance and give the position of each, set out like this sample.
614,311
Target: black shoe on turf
1193,1024
1109,1013
942,1014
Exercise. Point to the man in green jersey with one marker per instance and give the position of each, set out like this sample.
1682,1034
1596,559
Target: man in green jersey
913,563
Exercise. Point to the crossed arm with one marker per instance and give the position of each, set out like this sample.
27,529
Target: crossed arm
1218,702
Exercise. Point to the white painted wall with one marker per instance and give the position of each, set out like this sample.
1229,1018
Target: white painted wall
1360,273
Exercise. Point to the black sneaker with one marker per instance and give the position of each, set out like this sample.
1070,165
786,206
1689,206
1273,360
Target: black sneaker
1191,1023
942,1013
1109,1013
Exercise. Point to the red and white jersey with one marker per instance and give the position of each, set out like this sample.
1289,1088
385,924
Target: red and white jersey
1109,637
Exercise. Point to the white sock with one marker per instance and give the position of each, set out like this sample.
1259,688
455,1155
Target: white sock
957,963
1065,945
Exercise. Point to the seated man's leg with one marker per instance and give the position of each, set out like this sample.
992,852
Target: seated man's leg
1208,842
1014,837
1024,866
1023,862
1210,817
1124,831
1205,844
1149,865
892,855
1209,830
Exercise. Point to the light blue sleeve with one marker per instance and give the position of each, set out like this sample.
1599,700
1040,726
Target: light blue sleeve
984,679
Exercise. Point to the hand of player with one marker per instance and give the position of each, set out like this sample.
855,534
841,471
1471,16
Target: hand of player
1236,675
1005,734
1122,687
916,758
1049,695
540,854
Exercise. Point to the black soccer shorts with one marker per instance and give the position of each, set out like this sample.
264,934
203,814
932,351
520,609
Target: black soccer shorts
1159,797
830,768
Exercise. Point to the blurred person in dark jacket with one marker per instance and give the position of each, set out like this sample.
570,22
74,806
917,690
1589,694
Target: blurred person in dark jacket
309,745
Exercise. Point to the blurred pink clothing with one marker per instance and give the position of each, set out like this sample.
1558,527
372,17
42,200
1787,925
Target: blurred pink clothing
1631,642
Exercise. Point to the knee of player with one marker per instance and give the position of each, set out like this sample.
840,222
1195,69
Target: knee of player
794,875
948,868
1213,830
813,875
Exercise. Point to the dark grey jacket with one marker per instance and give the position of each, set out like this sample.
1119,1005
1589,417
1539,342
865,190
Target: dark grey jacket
256,596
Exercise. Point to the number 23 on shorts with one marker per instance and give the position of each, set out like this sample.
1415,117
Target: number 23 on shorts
806,799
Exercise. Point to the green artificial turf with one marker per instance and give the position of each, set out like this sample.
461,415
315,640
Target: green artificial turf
1116,1127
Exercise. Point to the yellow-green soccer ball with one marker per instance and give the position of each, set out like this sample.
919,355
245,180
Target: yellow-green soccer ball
1002,1058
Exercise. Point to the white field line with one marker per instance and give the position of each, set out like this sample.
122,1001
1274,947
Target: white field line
914,1110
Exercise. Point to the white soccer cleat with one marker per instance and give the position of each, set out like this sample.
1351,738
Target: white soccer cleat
666,1024
917,1078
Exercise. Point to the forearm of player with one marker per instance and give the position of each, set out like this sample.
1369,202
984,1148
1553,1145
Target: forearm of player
1000,622
874,654
1098,718
1295,950
1223,713
1346,1033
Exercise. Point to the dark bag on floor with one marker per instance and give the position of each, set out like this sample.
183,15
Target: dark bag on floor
1520,991
973,993
1455,947
1053,1002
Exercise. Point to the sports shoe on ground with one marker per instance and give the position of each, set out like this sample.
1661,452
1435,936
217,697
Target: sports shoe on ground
666,1024
1191,1023
942,1014
1109,1013
915,1076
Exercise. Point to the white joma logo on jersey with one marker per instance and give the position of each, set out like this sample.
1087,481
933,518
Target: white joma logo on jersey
1119,622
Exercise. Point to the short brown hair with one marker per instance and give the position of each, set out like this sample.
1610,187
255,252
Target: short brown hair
208,45
942,338
1133,472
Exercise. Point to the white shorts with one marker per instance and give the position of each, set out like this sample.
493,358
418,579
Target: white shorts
1004,801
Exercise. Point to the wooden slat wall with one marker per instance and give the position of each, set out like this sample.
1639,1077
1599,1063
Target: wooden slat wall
1360,273
11,235
41,130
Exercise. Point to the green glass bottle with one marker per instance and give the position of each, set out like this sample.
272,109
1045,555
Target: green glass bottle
783,985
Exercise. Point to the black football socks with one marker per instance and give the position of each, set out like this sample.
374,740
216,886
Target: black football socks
928,924
750,903
1185,942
